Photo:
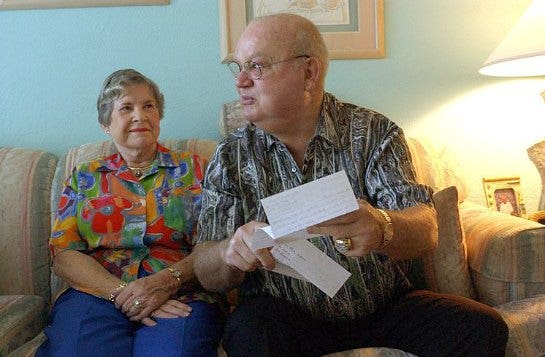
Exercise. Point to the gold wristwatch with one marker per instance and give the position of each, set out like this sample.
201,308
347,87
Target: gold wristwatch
388,232
175,273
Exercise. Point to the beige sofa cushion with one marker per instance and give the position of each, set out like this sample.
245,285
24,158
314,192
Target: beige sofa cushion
446,269
434,168
26,177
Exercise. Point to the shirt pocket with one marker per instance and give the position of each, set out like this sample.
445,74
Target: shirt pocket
173,205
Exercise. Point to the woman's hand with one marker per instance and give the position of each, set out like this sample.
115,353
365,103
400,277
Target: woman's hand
145,295
169,310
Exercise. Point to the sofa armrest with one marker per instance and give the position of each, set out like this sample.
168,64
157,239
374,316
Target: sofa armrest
21,318
506,254
526,321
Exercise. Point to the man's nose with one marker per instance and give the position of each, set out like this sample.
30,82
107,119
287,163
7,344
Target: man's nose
243,79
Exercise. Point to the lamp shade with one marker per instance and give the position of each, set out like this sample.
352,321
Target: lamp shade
522,52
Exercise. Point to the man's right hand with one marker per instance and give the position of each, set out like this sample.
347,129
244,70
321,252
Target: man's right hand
237,252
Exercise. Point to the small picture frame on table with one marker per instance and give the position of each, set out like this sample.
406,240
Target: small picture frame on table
503,195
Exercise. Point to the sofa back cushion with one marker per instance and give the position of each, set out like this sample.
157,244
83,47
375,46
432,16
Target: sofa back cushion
25,186
86,152
445,269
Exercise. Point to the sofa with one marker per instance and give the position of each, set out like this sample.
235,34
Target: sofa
482,254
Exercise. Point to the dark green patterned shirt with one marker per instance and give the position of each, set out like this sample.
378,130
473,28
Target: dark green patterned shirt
250,165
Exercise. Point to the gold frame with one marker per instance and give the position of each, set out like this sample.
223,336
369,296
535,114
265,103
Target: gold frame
367,42
504,187
538,216
46,4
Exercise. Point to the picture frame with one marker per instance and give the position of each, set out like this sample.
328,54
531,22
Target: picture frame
352,29
46,4
503,195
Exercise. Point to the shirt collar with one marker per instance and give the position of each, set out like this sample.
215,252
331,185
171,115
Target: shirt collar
115,162
333,124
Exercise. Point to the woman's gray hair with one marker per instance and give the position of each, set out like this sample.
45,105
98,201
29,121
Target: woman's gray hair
114,87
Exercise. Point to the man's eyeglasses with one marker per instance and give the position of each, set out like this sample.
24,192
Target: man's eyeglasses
254,69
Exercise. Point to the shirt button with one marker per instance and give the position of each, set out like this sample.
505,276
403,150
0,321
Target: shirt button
293,169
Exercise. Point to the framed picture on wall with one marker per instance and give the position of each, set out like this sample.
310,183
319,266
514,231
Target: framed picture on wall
44,4
351,28
503,195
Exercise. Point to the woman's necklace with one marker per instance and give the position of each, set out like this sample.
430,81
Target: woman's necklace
138,171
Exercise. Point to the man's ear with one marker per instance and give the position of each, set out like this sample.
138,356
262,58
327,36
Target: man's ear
313,73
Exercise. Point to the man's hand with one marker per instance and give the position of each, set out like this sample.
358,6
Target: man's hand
237,252
364,227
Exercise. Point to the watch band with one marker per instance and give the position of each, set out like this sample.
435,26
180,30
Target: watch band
388,232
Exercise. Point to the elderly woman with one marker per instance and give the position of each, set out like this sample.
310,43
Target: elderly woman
122,241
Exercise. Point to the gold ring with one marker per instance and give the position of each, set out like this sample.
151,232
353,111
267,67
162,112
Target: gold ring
343,245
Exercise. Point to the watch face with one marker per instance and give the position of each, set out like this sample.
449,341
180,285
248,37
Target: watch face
177,273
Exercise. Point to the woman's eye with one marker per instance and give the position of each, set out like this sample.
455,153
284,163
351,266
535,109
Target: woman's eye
125,108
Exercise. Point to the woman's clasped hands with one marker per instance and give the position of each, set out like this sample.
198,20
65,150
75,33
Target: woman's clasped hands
147,298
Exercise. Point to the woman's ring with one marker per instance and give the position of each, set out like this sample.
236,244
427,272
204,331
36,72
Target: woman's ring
343,245
136,303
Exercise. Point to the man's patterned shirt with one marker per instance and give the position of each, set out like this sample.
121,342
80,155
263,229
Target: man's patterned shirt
250,165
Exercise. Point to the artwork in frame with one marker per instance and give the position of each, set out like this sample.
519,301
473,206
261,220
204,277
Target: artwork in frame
503,195
351,28
45,4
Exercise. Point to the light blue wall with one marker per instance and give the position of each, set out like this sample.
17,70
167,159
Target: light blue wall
52,63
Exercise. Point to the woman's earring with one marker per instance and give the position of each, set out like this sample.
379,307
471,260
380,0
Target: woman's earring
108,131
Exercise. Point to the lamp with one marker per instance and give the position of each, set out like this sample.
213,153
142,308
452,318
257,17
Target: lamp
522,52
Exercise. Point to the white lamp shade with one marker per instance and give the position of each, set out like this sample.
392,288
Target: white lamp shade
522,52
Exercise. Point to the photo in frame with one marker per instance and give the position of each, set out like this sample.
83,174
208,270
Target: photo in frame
46,4
503,195
351,29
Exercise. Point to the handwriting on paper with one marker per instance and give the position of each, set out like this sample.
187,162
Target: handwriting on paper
290,213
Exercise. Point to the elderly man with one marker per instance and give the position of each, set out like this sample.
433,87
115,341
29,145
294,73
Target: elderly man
298,133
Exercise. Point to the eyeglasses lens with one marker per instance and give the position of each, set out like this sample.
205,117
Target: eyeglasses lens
234,67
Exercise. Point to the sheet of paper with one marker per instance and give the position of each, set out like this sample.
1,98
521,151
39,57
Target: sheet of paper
313,264
314,202
264,238
290,213
287,270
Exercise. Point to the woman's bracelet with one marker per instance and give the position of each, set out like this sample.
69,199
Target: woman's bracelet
116,291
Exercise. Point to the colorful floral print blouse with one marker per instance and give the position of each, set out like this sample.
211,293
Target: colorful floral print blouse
126,223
